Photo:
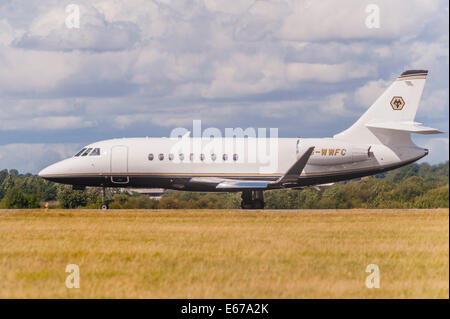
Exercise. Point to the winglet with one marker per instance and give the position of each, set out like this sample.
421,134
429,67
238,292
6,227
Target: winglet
294,172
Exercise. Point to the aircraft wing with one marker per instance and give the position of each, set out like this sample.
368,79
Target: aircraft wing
289,178
292,175
244,184
227,183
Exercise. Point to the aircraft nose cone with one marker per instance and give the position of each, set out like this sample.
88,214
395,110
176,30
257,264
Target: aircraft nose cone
52,170
45,172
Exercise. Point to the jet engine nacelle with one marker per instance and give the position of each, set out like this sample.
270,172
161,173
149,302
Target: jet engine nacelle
339,153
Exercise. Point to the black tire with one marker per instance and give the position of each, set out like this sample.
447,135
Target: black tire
104,207
258,204
247,205
254,204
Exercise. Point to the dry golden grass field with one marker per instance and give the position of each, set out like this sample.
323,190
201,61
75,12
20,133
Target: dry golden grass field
224,254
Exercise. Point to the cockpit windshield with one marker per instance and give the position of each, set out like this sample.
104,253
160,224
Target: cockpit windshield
80,152
95,152
86,152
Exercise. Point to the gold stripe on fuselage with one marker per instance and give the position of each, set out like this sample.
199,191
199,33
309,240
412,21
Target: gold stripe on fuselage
211,174
412,77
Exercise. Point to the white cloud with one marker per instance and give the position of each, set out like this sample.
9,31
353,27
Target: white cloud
438,149
254,74
432,55
227,6
46,123
328,72
49,32
33,71
34,157
42,115
334,19
12,108
367,94
7,33
434,103
141,66
335,104
161,119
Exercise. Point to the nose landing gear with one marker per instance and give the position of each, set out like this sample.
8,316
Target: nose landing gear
252,199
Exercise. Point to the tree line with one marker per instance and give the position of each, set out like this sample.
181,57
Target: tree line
412,186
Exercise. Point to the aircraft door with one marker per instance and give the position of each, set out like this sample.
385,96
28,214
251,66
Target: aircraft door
119,164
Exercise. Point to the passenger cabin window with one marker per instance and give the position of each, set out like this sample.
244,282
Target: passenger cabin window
95,152
161,157
170,157
225,157
202,157
191,157
150,157
181,156
87,152
80,152
235,157
213,157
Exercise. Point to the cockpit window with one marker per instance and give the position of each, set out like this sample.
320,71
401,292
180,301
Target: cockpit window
86,152
79,153
95,152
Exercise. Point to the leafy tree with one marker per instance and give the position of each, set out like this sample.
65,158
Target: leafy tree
437,197
69,198
3,174
415,185
14,198
33,201
14,172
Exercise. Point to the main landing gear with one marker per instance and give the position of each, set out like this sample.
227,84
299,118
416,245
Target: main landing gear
252,199
104,205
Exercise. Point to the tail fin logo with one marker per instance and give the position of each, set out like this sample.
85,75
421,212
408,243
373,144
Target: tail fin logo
397,103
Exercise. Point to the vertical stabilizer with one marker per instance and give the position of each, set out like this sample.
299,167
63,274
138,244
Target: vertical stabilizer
398,104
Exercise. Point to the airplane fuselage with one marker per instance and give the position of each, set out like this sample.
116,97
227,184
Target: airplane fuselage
156,162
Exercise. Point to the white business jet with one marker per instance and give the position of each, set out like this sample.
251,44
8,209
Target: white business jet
379,141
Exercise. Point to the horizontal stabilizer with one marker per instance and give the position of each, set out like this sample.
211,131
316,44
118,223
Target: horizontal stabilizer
411,127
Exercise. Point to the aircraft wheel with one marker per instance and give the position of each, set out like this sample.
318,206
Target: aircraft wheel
246,205
258,204
104,207
254,204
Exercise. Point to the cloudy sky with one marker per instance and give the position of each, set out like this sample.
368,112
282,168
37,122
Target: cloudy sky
142,68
